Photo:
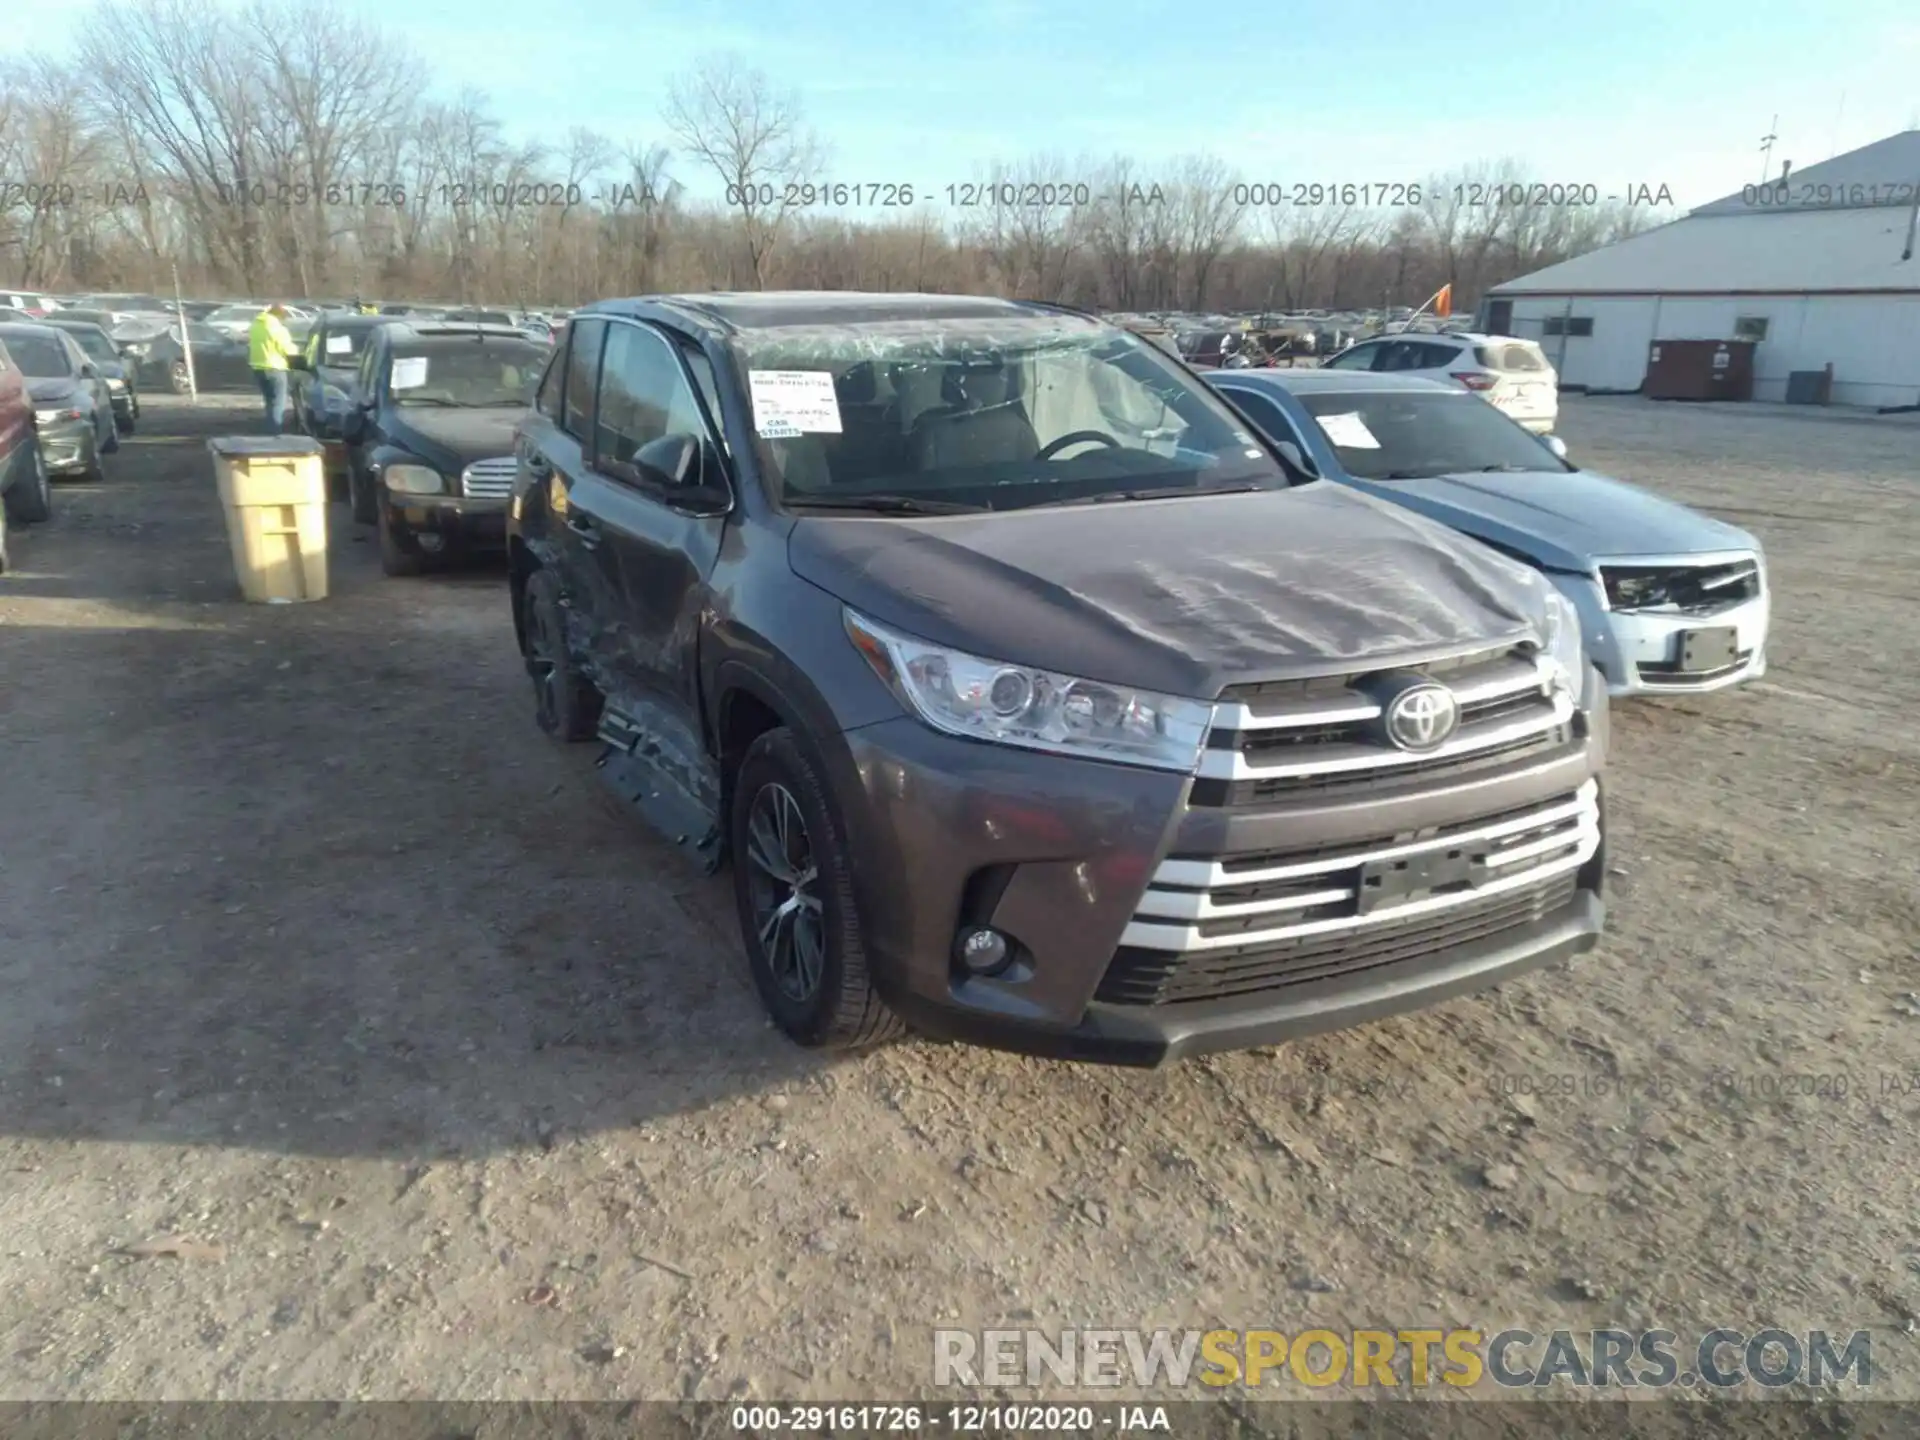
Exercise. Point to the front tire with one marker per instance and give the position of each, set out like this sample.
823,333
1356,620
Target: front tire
178,378
793,886
30,501
395,558
565,703
365,503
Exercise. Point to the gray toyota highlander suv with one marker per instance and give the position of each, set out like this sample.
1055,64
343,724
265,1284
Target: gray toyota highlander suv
1034,698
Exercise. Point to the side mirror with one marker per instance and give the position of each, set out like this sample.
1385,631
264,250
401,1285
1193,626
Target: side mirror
672,461
1293,456
1556,445
681,465
88,371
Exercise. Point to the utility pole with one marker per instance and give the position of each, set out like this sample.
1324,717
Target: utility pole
186,342
1766,149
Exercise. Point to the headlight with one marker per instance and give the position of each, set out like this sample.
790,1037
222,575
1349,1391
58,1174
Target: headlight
414,480
54,417
1562,640
113,384
137,348
1036,709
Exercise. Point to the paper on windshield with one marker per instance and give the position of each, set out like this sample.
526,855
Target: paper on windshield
1348,431
409,372
339,344
787,403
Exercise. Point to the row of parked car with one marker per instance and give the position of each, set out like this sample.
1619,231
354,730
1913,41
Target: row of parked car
201,344
1042,690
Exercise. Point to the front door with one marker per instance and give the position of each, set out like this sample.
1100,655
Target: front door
659,553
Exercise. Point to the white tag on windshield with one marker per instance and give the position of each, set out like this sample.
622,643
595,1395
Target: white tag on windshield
1348,431
339,344
409,372
788,402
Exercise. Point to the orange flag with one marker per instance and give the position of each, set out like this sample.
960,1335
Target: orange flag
1443,302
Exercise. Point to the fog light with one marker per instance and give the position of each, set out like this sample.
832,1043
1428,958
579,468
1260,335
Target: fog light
430,543
983,951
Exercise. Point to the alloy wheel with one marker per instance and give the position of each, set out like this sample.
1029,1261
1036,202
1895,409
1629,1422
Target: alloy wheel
783,891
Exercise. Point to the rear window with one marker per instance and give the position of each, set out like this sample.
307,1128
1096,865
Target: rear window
1510,357
40,356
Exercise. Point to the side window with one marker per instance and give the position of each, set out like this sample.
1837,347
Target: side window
369,368
547,398
644,394
703,377
583,367
1435,357
1361,357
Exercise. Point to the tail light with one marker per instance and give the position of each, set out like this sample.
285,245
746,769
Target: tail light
1476,379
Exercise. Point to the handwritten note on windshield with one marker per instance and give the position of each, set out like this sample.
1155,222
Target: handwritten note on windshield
339,344
409,372
789,402
1348,431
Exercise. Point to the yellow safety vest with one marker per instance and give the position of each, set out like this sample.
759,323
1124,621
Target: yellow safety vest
268,343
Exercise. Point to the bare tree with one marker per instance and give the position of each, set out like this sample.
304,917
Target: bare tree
754,142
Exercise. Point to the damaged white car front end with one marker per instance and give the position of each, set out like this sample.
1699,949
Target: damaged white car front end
1674,624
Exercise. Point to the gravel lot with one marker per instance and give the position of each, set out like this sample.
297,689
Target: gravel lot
313,951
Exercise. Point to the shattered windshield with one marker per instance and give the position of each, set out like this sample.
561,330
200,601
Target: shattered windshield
1000,414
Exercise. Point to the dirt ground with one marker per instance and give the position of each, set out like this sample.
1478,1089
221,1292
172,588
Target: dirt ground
314,951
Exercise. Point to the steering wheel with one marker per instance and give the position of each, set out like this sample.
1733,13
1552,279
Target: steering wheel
1077,437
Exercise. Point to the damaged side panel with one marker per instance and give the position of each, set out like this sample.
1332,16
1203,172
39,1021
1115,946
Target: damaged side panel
652,764
648,570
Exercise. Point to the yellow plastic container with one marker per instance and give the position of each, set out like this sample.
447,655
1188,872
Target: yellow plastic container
273,489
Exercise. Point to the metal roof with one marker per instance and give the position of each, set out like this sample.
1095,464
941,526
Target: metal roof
1332,382
1800,252
1884,173
767,309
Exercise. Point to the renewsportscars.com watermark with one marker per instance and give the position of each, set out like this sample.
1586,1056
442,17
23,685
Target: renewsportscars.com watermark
1402,1359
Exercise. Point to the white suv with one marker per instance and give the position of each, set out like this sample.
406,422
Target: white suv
1512,375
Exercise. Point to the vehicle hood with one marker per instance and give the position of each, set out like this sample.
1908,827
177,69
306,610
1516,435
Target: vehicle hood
458,437
1183,596
1562,521
52,389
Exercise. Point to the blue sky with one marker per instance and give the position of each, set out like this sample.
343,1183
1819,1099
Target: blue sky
1617,94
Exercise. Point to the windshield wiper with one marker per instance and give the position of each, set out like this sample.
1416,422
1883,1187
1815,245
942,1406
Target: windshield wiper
436,400
1504,470
1158,492
1412,474
884,505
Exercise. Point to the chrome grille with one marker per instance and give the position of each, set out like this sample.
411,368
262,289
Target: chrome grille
1273,742
1240,903
488,479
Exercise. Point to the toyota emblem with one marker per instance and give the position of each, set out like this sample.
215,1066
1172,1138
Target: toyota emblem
1423,717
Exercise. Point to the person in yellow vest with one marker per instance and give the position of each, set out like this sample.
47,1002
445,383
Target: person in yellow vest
269,346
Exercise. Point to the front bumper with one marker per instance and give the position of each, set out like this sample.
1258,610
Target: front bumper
1640,652
67,448
1057,854
455,522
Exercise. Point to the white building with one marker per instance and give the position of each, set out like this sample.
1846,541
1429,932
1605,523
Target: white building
1821,268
